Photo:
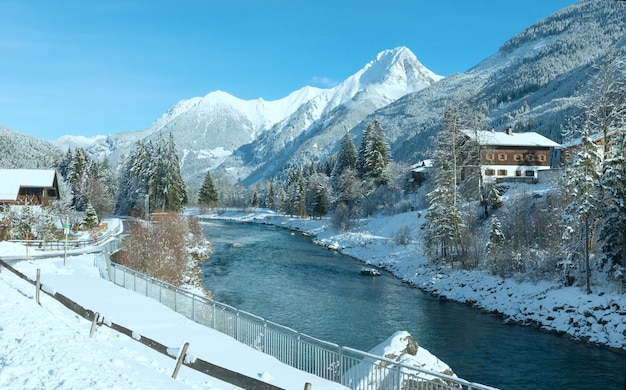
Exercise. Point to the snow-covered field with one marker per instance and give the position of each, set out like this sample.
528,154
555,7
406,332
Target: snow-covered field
47,346
598,318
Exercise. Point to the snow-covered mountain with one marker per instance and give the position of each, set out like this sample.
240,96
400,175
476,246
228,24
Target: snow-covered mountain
533,83
209,130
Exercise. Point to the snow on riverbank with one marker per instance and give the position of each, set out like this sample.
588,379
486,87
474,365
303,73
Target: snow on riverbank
598,318
47,346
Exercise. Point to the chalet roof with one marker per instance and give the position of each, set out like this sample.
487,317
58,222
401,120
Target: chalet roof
12,179
497,138
422,166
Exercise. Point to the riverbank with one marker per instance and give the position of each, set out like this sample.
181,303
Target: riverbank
598,318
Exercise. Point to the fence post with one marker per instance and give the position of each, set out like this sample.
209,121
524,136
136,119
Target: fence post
398,376
179,361
308,386
340,365
93,324
213,315
38,286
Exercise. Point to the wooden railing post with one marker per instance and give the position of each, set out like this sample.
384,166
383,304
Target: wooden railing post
179,362
93,324
38,286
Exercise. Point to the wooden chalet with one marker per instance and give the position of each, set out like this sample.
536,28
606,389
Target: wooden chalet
28,186
508,156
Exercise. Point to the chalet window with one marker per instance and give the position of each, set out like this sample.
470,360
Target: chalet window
490,172
489,156
502,172
52,192
530,173
541,157
518,173
529,157
501,156
517,157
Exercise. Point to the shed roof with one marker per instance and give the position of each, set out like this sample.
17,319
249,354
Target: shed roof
511,139
12,179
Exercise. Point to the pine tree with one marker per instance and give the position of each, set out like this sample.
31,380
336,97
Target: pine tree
208,196
91,217
151,172
613,228
495,244
299,197
361,162
346,157
581,213
255,199
270,201
373,155
378,154
317,195
444,221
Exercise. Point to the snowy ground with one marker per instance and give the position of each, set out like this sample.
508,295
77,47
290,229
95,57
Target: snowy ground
599,318
47,346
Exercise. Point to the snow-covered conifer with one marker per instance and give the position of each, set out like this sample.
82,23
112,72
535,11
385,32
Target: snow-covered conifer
582,210
208,195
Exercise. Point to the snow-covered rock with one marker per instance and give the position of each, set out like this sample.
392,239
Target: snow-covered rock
400,348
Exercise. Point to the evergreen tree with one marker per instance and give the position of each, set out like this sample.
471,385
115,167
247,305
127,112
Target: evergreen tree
208,196
373,154
299,197
361,161
581,213
444,221
346,157
613,228
255,199
495,244
131,191
317,196
270,201
377,156
91,217
281,199
152,172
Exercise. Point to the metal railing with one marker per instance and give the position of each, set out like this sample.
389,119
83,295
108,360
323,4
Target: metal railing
59,245
350,367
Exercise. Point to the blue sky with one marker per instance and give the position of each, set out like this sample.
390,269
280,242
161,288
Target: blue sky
100,67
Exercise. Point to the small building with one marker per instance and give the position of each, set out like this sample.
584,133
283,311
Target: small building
420,172
28,186
508,156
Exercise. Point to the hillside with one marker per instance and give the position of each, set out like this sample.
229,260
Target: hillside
533,83
25,151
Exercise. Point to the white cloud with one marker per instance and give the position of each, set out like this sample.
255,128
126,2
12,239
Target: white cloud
324,81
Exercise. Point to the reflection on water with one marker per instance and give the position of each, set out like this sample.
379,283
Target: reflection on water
288,280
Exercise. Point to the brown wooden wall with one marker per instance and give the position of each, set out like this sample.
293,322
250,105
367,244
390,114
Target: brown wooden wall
517,156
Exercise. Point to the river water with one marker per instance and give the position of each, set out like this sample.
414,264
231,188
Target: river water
283,277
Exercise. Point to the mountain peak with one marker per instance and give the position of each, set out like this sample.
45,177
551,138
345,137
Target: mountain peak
398,66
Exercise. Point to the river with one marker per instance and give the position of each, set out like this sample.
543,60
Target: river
283,277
